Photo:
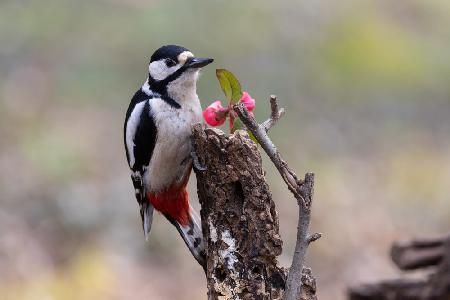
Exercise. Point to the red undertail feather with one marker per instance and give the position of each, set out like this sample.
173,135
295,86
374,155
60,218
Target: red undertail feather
174,202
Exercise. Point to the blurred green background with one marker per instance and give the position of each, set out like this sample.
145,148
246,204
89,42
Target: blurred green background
366,85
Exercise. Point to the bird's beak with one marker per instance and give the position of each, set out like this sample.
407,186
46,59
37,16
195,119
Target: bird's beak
197,62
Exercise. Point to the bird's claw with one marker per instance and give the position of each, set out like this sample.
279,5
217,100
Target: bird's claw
195,161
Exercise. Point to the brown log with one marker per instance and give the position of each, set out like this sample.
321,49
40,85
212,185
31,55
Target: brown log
390,289
411,255
419,253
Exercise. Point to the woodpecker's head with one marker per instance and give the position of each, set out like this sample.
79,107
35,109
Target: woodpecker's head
174,70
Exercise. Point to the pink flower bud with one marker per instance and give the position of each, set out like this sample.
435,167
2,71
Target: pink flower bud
215,114
248,101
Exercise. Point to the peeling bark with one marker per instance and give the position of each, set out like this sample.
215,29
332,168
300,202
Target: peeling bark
239,220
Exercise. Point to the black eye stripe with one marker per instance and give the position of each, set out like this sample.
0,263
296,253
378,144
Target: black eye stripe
170,62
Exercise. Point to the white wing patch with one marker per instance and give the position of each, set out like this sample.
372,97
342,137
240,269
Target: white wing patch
132,125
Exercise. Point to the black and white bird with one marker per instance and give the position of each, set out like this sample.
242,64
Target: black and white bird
157,133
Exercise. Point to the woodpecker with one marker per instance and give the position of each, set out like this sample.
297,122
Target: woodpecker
157,134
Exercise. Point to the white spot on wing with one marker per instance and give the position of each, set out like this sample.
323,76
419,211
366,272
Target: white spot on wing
132,125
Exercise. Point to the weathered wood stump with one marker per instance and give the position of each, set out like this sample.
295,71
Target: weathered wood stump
239,220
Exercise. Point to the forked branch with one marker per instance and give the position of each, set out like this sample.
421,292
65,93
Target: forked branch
301,189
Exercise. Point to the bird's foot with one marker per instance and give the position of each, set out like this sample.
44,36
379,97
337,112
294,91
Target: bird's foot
197,165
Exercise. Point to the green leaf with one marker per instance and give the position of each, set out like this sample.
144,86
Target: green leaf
237,124
250,134
230,85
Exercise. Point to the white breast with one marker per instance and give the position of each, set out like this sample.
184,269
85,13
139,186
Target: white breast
171,155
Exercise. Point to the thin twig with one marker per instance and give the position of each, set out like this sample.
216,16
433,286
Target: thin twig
275,114
269,147
314,237
301,189
293,282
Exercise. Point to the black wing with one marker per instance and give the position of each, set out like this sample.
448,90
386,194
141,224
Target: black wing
140,153
145,135
144,139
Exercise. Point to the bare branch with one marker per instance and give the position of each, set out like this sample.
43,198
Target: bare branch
314,237
293,282
266,143
275,114
302,191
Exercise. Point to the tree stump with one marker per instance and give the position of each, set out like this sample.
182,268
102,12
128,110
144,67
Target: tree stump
239,220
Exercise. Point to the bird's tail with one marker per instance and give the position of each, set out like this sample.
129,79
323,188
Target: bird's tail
192,236
146,209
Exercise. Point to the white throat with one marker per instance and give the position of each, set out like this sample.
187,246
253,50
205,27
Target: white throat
184,88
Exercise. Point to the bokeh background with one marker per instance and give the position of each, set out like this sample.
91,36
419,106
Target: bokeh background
366,85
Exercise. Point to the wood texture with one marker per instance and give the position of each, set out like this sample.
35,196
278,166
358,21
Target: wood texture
239,220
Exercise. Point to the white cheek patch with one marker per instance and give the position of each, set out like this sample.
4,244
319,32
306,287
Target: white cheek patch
159,70
184,56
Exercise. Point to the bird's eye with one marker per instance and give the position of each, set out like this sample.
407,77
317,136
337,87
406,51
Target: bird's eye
170,62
